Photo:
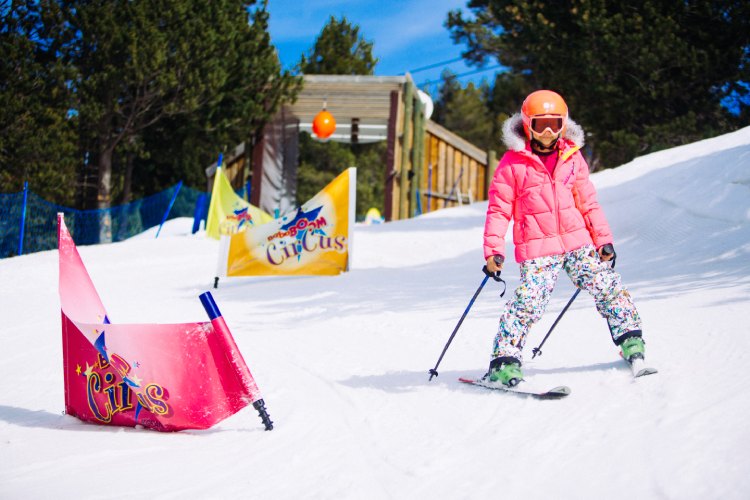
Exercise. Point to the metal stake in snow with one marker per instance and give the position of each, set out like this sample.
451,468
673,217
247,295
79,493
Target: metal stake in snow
487,275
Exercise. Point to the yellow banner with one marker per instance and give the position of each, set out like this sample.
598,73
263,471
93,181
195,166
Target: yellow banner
313,239
228,213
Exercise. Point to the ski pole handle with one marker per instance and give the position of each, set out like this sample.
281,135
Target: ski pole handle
496,275
498,260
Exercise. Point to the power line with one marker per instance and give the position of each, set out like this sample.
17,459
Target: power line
441,79
423,68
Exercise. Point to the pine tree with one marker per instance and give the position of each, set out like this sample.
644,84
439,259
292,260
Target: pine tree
179,148
142,63
446,93
638,75
463,110
133,95
339,50
37,130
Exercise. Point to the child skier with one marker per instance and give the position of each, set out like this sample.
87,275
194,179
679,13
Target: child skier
543,183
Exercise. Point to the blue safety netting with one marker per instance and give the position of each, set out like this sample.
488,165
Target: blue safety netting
88,226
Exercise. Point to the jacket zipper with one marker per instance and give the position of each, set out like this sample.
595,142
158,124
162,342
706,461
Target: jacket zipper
564,157
557,208
554,195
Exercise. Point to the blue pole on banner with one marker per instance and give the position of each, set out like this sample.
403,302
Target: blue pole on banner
23,217
166,214
198,214
209,304
216,172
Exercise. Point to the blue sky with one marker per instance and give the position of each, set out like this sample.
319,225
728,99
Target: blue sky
407,34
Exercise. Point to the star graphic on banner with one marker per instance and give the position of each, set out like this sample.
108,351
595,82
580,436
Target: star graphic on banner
309,216
78,369
301,215
89,370
98,332
137,364
136,380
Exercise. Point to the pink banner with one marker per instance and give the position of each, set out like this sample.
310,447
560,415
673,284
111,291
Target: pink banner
163,377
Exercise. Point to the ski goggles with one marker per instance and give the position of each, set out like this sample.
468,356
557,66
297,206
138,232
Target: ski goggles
542,123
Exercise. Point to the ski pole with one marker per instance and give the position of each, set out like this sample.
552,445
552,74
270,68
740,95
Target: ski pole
487,275
538,349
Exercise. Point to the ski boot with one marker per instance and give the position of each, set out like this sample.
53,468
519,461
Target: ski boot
633,348
506,370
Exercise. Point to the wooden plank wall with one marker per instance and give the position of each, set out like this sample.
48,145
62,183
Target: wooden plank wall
235,172
234,169
451,165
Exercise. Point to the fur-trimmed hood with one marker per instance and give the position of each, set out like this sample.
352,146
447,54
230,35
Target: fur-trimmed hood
515,139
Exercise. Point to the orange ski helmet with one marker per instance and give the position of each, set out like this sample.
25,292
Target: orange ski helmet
543,102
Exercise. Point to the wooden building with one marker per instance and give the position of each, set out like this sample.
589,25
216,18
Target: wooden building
427,167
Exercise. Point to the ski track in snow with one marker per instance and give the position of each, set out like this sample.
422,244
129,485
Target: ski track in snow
342,362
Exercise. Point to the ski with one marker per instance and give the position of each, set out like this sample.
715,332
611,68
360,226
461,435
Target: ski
554,393
639,368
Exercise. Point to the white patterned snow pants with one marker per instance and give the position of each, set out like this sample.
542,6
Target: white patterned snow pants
538,278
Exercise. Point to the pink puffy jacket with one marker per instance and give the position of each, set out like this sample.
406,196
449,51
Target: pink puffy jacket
552,214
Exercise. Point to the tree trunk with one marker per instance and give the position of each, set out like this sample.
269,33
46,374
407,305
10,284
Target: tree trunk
104,193
128,181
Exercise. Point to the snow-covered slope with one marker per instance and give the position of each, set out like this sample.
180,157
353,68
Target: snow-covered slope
342,362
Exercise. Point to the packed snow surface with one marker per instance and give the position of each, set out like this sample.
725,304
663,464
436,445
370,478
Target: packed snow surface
342,362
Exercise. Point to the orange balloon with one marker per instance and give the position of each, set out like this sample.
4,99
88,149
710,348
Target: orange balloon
324,124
